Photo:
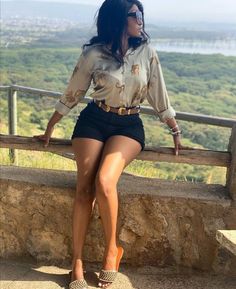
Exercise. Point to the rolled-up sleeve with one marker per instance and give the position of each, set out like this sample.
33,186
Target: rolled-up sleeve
157,95
78,85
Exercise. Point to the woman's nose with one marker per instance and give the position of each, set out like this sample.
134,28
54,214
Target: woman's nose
140,23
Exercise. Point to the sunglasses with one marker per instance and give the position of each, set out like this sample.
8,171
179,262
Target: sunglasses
137,15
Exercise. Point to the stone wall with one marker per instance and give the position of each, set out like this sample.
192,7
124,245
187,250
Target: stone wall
160,222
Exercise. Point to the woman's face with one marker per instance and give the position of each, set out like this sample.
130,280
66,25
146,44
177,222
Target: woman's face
134,26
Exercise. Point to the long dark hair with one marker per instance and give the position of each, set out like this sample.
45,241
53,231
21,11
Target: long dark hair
111,22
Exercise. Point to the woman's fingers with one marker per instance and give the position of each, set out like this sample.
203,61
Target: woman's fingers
177,143
179,146
44,138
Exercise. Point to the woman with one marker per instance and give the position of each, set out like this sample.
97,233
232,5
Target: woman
109,133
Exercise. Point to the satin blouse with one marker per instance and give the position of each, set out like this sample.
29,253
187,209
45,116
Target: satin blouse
128,84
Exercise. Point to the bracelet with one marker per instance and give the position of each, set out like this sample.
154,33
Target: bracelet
177,132
174,127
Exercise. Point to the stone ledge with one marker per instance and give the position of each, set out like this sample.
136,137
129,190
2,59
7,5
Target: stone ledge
128,184
160,222
227,239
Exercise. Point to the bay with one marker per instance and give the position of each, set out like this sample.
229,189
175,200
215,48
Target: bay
226,46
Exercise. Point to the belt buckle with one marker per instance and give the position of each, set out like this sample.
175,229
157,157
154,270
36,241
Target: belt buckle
99,103
107,108
120,110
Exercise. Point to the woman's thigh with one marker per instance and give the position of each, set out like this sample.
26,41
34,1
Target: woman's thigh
117,153
87,155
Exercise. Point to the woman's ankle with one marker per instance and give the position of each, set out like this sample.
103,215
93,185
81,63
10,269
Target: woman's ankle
77,269
111,250
77,262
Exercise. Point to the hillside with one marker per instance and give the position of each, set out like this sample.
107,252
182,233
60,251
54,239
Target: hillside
196,83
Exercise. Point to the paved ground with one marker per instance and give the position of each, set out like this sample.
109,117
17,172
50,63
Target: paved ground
25,275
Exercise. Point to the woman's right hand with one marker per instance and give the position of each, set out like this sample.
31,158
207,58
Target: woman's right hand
46,136
50,127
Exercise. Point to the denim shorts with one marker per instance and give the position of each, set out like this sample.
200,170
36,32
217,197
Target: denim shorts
93,122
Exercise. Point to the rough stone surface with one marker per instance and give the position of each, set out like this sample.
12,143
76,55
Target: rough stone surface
160,223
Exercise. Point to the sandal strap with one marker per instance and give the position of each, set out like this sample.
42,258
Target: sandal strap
78,284
107,275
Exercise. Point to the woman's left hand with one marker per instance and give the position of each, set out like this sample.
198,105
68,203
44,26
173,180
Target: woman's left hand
178,145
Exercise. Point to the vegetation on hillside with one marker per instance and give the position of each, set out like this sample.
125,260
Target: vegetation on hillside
204,84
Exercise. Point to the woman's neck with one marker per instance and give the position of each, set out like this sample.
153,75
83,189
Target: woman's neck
125,45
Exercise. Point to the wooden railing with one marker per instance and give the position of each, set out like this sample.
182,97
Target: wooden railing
190,156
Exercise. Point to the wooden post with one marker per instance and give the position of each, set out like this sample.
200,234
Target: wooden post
231,171
12,122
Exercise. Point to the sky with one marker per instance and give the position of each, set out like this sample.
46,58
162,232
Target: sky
180,10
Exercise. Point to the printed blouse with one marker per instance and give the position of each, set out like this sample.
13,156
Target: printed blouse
128,84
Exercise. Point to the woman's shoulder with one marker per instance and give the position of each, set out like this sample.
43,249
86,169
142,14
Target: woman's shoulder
146,49
149,48
91,51
92,48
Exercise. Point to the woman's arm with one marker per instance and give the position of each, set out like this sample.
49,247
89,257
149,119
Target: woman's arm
172,123
55,118
76,89
158,97
78,85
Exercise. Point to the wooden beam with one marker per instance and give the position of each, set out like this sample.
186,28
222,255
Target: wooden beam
12,122
163,154
231,171
4,87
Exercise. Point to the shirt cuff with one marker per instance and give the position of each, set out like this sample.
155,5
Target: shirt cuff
167,114
61,108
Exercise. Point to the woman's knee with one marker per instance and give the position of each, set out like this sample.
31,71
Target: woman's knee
104,185
85,193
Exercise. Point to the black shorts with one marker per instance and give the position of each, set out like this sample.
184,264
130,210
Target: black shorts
93,122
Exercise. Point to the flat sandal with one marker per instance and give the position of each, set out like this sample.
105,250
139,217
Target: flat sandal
77,284
110,275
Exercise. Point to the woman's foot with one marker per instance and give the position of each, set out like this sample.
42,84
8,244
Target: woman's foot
109,263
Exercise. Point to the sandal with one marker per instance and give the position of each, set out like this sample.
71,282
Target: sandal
110,275
77,284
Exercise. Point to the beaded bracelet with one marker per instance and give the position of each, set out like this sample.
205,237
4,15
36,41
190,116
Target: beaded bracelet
177,132
174,127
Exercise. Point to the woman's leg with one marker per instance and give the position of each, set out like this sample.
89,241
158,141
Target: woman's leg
118,152
87,154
